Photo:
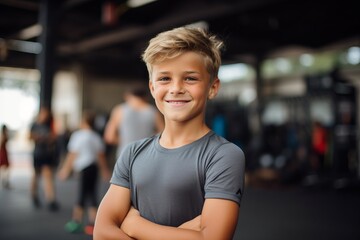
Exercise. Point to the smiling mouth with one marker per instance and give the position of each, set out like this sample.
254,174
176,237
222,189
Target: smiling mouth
177,101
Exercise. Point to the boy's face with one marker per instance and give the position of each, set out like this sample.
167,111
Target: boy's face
181,87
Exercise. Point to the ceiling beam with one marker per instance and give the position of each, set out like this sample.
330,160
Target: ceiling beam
27,5
29,32
36,29
190,13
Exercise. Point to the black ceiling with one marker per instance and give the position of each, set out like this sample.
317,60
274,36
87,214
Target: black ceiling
248,27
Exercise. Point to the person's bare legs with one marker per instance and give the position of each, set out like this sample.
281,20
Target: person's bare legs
49,189
92,214
7,177
75,225
34,187
78,213
4,176
89,229
47,175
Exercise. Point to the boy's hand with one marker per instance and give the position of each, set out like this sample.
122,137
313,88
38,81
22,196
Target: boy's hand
129,222
193,224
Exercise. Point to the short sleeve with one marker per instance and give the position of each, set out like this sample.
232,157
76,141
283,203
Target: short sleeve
225,174
121,173
74,143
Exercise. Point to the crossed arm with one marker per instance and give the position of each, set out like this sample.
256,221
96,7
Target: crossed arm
117,220
111,213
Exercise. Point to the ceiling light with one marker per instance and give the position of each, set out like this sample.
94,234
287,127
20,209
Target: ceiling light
353,55
138,3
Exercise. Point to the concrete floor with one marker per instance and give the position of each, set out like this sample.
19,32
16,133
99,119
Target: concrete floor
272,214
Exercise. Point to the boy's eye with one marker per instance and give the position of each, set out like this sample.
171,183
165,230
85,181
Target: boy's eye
190,79
162,79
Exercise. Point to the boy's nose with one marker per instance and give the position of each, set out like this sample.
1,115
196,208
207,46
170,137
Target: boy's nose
177,87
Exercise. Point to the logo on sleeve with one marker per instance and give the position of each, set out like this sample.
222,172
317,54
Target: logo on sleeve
239,191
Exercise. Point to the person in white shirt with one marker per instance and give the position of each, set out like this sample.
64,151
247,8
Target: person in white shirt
86,154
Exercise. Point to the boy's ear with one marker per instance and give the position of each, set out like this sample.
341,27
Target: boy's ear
151,87
214,88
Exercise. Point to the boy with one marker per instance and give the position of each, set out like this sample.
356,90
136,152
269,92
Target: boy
86,155
187,182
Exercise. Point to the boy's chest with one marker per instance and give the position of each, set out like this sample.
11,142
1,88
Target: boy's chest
166,174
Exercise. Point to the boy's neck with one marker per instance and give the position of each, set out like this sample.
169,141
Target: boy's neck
175,136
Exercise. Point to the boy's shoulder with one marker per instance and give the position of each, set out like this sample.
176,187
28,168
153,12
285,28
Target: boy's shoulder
140,144
220,144
216,139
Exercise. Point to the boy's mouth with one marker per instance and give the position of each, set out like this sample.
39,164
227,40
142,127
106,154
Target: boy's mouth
177,102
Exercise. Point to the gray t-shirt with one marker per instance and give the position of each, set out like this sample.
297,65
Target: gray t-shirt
169,186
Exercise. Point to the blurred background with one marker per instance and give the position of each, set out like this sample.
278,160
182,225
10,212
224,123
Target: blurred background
289,98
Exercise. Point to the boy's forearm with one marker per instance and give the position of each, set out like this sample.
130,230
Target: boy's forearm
107,228
143,229
111,213
110,233
217,221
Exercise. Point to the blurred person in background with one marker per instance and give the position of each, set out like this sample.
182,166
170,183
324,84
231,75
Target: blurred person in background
4,158
86,155
43,135
132,120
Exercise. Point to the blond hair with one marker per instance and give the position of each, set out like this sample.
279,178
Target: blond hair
172,43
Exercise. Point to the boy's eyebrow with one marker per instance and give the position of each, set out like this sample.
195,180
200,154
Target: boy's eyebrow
187,72
191,72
